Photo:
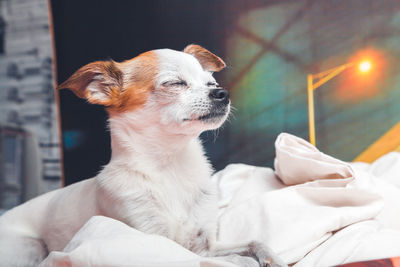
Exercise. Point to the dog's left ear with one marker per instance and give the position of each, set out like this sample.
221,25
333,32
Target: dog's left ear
99,82
208,60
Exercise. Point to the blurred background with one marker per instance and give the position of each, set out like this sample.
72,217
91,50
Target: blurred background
270,47
29,136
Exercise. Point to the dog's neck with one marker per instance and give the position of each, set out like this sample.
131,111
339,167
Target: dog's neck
148,149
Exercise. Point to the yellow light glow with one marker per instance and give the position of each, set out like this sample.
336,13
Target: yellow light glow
365,66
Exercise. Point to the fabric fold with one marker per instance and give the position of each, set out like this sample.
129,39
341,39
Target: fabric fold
297,161
104,242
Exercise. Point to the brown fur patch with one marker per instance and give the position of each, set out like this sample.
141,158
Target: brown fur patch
122,86
140,77
208,60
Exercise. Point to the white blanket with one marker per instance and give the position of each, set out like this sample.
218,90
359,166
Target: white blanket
314,210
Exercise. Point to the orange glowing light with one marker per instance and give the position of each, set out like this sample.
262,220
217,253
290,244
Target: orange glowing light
365,66
366,79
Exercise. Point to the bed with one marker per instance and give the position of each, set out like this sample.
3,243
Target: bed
311,209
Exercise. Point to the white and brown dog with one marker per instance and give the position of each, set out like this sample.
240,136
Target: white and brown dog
158,179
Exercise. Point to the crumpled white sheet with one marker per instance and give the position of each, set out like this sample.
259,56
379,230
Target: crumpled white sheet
314,210
107,242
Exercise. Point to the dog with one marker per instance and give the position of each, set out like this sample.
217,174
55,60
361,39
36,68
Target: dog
158,178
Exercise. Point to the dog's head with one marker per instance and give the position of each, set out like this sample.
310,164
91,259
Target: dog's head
171,88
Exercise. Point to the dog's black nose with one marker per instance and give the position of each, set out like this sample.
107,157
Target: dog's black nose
219,95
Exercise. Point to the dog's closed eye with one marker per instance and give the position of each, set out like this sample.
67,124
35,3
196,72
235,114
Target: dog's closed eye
175,83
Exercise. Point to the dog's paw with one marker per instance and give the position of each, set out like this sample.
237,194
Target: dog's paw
265,256
270,263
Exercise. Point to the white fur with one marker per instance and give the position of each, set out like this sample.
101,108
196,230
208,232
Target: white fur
157,180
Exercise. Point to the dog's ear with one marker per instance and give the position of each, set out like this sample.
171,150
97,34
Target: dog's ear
98,82
208,60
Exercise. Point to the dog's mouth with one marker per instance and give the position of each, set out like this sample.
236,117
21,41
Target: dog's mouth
210,117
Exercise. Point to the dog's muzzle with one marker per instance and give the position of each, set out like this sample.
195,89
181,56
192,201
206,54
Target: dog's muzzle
220,101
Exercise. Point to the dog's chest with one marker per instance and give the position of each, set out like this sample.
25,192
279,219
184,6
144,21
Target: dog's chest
176,208
182,208
182,212
176,200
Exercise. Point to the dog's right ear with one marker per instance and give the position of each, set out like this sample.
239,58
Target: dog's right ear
98,82
208,60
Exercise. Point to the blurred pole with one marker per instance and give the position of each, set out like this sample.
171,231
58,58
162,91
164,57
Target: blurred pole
311,119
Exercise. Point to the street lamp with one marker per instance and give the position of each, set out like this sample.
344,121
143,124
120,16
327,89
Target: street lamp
314,81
